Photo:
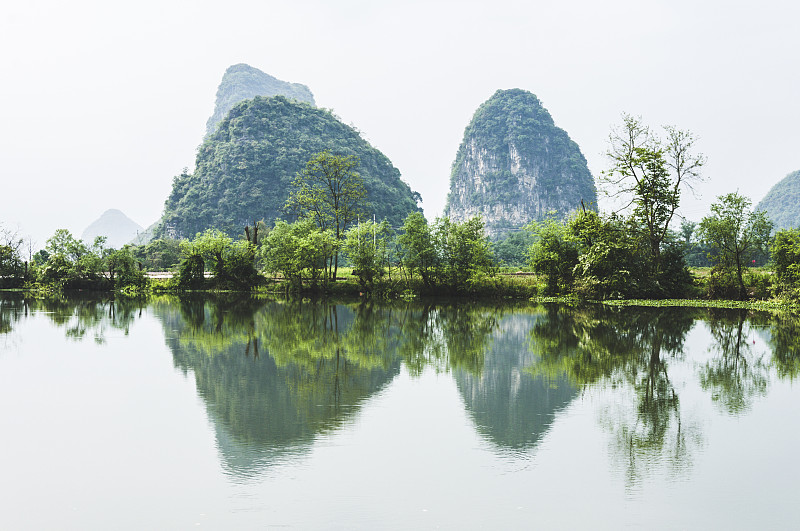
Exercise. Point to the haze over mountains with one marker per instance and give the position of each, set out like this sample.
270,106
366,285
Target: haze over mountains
243,82
118,229
782,202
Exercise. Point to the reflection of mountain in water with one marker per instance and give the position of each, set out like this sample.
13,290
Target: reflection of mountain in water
265,411
511,407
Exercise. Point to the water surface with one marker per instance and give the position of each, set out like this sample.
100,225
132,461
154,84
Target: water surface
222,412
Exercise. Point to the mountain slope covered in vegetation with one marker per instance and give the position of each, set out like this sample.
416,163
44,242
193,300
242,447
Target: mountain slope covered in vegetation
244,170
782,202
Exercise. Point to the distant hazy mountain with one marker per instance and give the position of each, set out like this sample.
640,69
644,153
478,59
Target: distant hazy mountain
118,228
782,202
515,166
243,82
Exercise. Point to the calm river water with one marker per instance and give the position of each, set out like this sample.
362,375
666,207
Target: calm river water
231,413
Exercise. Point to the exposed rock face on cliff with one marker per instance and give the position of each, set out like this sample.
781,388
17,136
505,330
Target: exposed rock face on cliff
515,166
782,202
243,82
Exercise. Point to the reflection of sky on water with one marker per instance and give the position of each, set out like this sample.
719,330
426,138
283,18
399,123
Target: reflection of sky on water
133,432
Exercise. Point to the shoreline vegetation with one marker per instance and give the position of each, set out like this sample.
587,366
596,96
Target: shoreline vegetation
586,258
329,247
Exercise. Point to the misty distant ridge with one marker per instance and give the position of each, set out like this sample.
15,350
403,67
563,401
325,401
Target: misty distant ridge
118,229
782,202
243,82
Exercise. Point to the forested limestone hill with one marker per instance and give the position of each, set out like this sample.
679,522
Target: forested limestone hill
244,170
515,166
782,202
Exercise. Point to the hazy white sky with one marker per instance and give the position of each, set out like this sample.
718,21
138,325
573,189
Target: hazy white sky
102,104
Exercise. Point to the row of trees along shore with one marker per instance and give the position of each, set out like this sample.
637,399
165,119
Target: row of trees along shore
589,254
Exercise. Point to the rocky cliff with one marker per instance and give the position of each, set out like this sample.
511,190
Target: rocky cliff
243,82
782,202
515,166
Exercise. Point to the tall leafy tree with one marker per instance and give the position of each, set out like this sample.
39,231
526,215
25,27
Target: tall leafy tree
736,234
417,250
366,245
786,257
650,173
465,253
330,191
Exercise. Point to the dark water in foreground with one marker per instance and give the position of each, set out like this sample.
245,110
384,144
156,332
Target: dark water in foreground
228,413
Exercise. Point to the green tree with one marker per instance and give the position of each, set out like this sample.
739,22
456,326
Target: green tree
331,192
295,249
232,262
73,264
12,267
786,257
736,234
158,255
366,246
465,254
513,249
553,254
417,250
64,243
123,269
650,174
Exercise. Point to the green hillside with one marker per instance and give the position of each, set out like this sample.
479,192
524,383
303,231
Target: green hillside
243,171
782,202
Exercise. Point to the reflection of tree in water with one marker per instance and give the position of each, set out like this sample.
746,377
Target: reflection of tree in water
627,350
12,306
784,340
448,336
736,374
510,407
81,316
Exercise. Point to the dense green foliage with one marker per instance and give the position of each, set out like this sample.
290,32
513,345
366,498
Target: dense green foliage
649,173
232,262
512,250
528,165
782,202
243,82
737,235
13,269
299,250
69,263
367,246
158,255
786,258
604,257
245,169
332,193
